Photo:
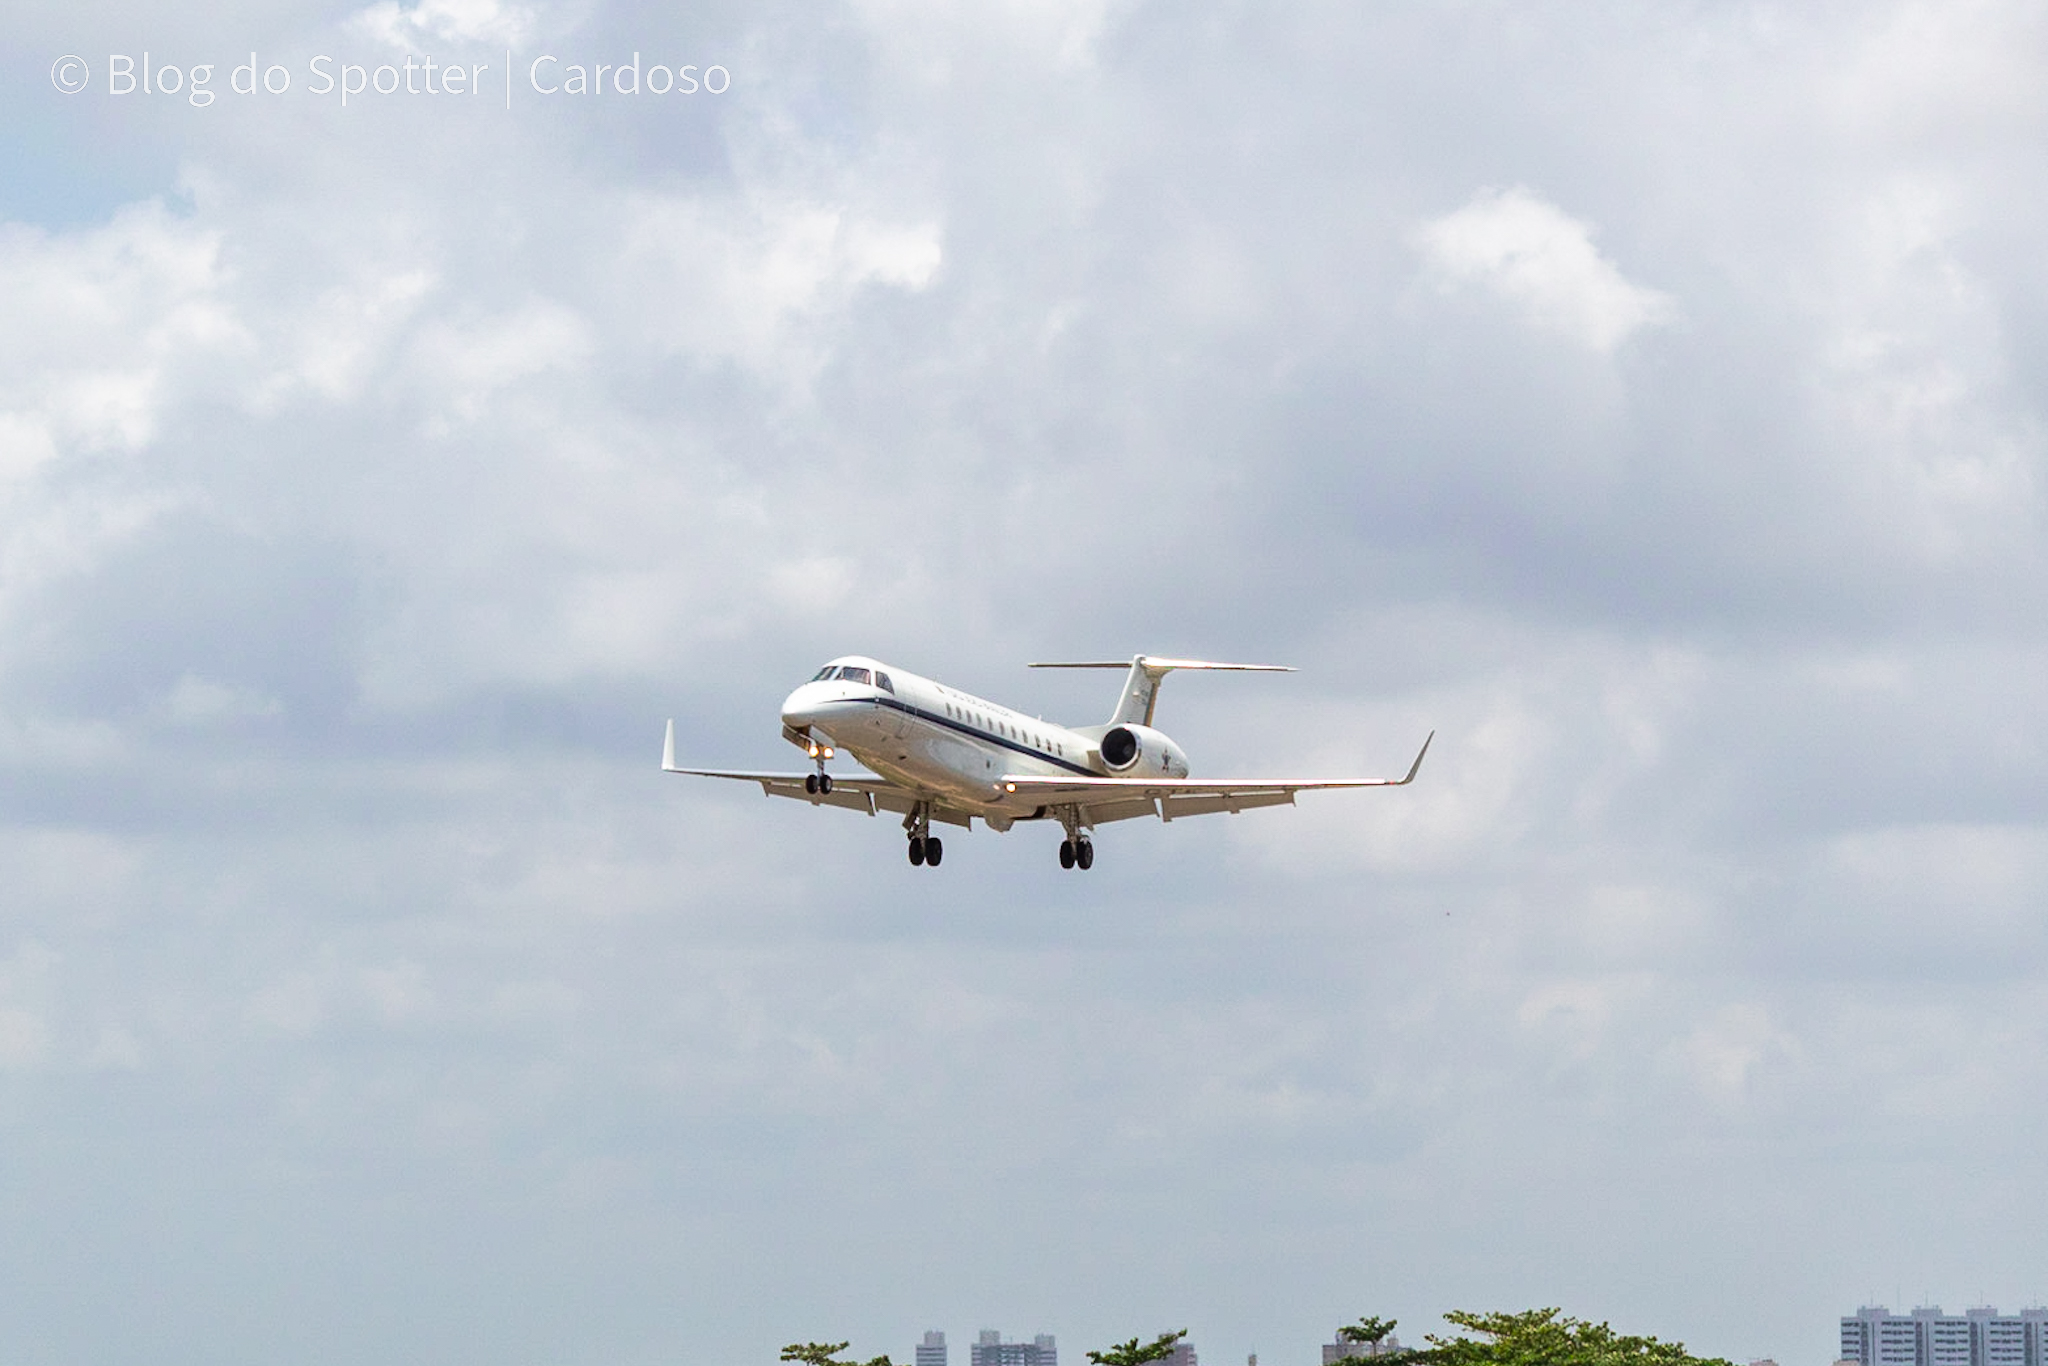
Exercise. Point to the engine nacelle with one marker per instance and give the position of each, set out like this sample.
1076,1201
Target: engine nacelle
1131,751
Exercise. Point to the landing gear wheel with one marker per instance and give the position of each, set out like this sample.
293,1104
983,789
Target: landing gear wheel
1084,854
811,783
824,782
933,851
1066,853
918,852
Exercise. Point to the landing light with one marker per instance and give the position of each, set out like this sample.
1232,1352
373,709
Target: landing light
1009,787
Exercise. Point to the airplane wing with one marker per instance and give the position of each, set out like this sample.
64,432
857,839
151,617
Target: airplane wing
866,793
1116,799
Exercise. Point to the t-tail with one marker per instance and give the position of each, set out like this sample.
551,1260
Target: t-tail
1141,685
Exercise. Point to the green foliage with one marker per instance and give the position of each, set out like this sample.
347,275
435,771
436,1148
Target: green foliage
1373,1331
1131,1354
1534,1337
1372,1328
826,1354
1543,1337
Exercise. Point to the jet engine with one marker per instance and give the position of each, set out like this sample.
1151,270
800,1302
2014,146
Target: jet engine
1132,751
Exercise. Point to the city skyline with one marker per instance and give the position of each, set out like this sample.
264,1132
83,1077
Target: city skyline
1926,1336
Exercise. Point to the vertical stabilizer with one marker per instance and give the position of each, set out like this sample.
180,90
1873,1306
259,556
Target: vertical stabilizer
1141,694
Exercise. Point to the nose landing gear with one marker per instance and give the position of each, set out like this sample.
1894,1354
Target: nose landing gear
819,783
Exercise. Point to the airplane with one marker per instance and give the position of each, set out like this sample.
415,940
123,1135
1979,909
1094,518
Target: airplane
935,753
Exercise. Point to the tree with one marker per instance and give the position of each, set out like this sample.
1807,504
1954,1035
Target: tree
1372,1328
825,1354
1544,1337
1373,1331
1131,1354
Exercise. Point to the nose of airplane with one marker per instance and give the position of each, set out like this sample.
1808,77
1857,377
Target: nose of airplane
803,707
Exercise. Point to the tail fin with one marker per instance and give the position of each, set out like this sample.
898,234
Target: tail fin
1141,685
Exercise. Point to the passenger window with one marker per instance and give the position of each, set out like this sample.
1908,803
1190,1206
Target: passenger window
882,682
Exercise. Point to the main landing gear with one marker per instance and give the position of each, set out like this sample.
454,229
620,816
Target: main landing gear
926,849
818,784
1076,850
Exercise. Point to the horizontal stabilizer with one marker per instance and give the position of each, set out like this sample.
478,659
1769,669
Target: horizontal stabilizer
1153,664
1141,686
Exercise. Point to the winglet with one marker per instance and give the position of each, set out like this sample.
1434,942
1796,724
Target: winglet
1416,767
668,749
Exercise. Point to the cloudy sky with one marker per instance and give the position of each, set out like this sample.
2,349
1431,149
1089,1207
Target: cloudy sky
1649,400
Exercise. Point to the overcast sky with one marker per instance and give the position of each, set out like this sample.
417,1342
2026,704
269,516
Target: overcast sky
1648,400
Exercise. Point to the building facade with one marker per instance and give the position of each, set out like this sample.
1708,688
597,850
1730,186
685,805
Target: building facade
989,1349
932,1351
1875,1336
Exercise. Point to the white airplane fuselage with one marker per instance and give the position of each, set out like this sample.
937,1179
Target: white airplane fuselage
929,737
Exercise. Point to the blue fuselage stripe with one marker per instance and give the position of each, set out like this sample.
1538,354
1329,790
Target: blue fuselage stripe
1003,741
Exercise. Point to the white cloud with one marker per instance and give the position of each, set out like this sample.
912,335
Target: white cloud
115,1050
763,280
464,365
813,585
333,348
196,701
1062,35
103,321
1532,253
463,21
26,988
24,1038
1912,377
1727,1050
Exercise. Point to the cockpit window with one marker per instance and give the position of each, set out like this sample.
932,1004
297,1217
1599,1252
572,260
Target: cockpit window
882,682
850,674
823,674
